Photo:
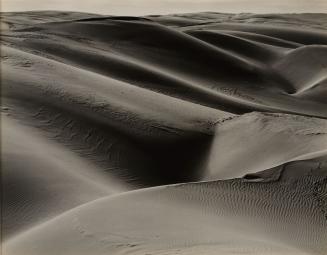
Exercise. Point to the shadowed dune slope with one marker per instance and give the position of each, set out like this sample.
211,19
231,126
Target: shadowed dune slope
40,179
200,133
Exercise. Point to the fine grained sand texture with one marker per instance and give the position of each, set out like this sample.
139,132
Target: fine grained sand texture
201,133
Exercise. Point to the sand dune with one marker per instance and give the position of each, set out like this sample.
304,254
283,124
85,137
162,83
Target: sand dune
182,65
208,217
311,68
200,133
35,180
286,138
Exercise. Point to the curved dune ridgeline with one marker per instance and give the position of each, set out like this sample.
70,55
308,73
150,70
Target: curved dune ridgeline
200,133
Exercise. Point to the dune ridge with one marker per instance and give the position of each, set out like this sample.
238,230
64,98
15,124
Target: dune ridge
200,133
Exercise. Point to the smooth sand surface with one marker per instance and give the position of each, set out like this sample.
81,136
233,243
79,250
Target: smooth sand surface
200,133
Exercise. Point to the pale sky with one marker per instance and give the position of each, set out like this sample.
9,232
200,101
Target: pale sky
142,7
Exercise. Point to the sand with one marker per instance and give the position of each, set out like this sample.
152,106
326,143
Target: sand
200,133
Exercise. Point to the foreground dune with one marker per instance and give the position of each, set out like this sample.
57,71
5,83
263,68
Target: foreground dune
180,134
233,216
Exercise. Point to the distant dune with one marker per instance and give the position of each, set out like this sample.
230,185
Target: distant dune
200,133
